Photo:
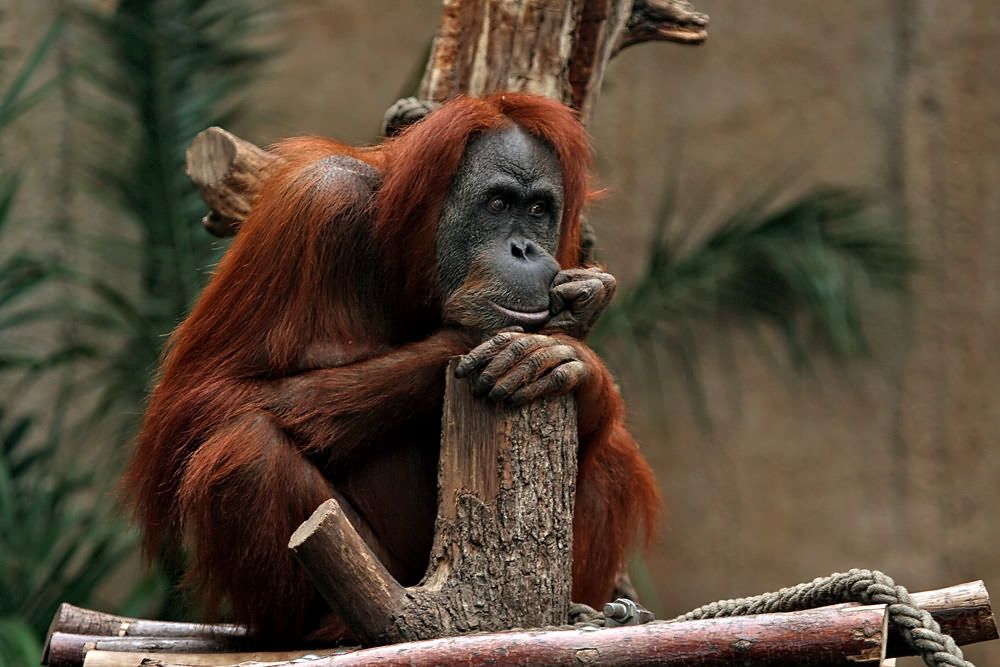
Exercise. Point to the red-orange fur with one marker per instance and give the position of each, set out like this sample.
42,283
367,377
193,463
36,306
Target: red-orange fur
313,365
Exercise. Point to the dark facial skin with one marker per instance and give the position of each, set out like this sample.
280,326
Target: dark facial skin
496,241
498,232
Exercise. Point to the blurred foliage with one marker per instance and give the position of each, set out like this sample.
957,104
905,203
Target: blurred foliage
22,273
59,538
804,268
175,67
155,73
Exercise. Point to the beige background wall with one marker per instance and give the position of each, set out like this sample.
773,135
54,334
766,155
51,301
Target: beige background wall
888,462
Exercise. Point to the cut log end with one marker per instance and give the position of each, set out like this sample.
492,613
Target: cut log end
211,156
229,172
328,511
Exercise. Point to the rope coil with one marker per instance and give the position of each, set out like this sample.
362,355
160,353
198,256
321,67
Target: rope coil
919,628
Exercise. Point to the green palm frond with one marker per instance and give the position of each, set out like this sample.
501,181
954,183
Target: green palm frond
23,92
58,539
172,68
805,268
167,69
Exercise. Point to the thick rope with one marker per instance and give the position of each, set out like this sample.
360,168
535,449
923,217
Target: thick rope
920,630
582,615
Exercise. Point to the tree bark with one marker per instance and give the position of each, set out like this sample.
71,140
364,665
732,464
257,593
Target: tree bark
828,636
502,552
963,611
229,173
556,48
99,658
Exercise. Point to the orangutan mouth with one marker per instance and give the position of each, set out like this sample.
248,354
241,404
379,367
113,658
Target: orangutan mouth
530,318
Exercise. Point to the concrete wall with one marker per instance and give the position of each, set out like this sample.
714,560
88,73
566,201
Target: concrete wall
882,463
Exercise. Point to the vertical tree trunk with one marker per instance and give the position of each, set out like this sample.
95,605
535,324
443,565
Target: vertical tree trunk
503,545
556,48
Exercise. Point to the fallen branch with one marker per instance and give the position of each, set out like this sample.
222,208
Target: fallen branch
829,636
77,620
98,658
69,650
963,611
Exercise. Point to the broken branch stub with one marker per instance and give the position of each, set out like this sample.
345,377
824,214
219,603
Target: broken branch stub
663,21
229,172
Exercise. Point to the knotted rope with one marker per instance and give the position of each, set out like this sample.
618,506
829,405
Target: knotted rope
920,630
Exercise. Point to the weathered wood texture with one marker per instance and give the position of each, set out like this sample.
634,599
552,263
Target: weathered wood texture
556,49
69,650
963,611
118,659
348,575
73,620
828,636
229,173
77,620
502,552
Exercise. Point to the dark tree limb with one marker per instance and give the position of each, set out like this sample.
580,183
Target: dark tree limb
502,553
664,21
77,620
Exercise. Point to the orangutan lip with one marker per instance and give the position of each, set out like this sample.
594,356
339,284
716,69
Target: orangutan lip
519,316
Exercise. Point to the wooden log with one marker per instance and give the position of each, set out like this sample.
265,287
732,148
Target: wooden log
963,612
72,620
828,636
77,620
229,173
502,552
119,659
344,570
69,650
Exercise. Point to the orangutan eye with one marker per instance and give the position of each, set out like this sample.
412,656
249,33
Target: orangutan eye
537,209
498,204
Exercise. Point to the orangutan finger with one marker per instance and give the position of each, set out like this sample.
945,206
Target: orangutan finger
559,380
504,361
483,353
532,367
